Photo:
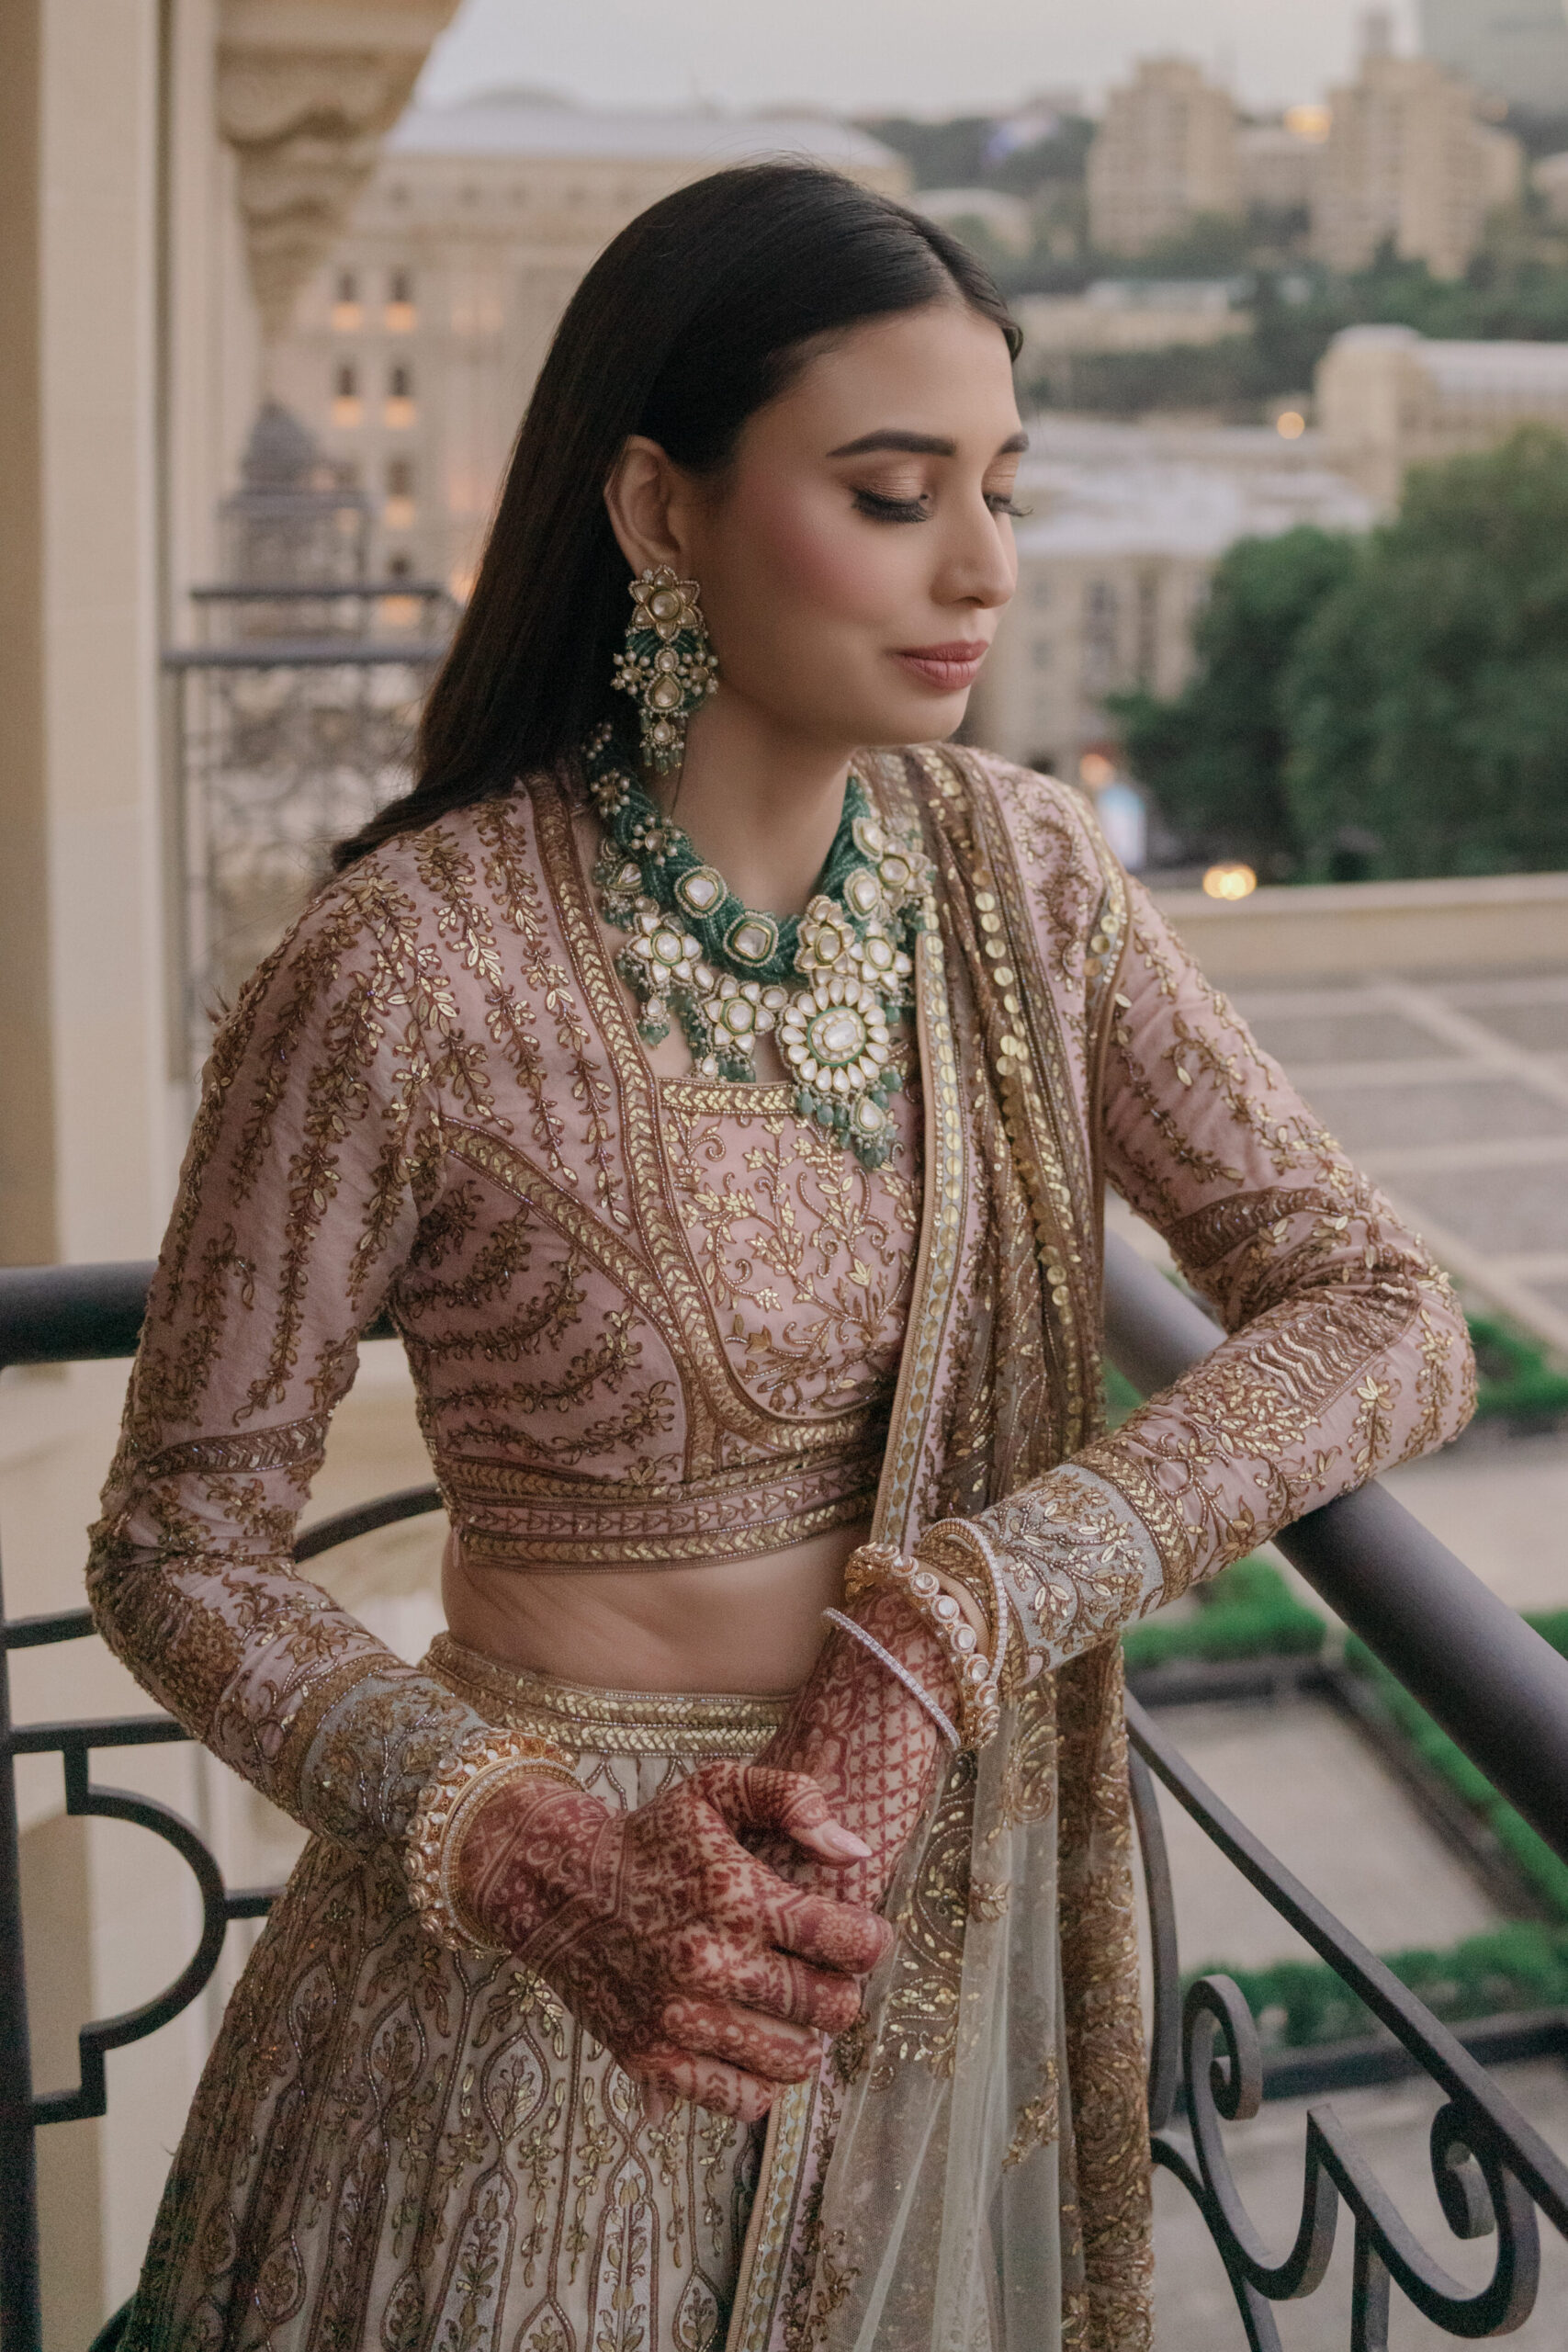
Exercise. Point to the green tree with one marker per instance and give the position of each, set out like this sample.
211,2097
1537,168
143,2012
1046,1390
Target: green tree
1213,757
1427,701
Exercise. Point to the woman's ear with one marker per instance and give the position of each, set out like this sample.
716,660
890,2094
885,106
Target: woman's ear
641,495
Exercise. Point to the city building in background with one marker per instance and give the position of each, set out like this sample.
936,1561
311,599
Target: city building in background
1280,164
1389,399
1122,315
1127,523
414,347
1513,49
1165,156
1409,162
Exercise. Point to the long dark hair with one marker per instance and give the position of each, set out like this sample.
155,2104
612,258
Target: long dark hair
691,320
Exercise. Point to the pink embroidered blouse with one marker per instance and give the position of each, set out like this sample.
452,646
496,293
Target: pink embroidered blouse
654,1320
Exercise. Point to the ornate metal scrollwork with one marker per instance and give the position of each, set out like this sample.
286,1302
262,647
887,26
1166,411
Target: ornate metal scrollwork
1223,2080
1490,2169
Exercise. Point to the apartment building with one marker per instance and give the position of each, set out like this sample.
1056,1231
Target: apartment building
1389,398
415,345
1165,152
1128,522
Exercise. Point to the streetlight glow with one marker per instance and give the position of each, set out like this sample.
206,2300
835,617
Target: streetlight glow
1230,882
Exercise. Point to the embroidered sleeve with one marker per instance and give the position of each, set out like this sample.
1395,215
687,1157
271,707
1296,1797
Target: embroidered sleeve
1347,1350
314,1152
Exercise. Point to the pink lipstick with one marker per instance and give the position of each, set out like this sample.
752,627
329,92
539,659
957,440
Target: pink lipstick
948,668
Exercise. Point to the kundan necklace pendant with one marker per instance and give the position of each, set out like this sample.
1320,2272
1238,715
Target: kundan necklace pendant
827,982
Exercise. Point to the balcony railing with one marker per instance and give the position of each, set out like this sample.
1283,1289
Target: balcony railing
293,721
1494,1685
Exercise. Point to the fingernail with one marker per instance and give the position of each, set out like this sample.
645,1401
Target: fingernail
840,1840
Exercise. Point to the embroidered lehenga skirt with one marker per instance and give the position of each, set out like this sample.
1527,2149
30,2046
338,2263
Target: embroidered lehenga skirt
393,2147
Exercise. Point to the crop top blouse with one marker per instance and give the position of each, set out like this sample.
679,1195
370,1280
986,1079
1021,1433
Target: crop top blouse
651,1320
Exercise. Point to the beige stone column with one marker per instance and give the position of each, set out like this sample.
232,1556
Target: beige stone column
82,1094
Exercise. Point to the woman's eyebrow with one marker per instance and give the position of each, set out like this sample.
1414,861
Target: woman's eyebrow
920,445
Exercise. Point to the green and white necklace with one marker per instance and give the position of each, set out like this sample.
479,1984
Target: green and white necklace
828,982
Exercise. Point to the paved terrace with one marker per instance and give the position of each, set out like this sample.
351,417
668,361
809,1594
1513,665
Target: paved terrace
1452,1091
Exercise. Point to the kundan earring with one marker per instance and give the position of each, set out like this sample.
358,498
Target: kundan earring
669,663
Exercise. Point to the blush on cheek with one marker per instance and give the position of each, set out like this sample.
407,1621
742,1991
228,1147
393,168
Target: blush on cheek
820,554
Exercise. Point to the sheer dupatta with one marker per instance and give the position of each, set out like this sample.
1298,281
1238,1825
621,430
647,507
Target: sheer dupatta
971,2168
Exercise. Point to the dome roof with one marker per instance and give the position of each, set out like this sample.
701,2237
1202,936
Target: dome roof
280,454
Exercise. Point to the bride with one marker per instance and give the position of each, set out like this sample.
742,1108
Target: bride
725,1934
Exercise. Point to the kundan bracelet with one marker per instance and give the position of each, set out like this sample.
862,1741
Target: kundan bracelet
877,1567
485,1763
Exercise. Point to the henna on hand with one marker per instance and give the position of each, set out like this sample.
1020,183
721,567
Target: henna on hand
697,1965
870,1748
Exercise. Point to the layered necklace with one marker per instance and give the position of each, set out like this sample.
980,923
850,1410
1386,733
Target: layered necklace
827,983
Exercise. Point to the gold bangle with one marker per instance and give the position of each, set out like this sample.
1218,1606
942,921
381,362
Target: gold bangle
483,1763
878,1567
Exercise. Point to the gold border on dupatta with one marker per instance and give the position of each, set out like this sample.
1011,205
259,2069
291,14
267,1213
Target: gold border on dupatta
945,1186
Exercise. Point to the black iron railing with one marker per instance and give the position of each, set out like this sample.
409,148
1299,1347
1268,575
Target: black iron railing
1497,1688
73,1315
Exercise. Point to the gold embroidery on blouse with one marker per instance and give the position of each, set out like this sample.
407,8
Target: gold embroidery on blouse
669,1253
817,1247
517,890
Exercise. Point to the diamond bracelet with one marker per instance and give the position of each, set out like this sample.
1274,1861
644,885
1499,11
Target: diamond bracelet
877,1567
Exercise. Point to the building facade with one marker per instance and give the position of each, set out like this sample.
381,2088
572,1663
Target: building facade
1409,162
1389,399
415,345
1164,153
1128,522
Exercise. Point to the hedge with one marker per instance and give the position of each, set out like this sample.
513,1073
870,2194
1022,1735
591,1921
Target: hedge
1545,1870
1516,1380
1247,1610
1301,2004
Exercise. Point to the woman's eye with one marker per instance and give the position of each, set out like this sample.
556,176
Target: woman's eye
891,510
1001,502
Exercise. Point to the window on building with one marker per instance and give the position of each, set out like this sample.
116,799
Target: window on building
398,513
348,408
401,315
347,313
1100,636
400,565
400,409
1146,652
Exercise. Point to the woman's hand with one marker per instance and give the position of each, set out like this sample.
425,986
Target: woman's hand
699,1968
872,1748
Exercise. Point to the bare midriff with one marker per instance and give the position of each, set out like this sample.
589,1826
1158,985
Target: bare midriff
751,1625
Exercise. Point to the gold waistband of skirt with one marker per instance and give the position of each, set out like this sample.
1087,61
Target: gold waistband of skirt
606,1722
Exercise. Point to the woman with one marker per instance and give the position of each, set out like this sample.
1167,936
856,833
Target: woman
720,1109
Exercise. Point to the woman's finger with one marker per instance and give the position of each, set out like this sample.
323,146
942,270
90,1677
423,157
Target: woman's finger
763,1796
762,1908
705,2082
776,1983
741,2038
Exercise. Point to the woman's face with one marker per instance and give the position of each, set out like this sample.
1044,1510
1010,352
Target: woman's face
854,557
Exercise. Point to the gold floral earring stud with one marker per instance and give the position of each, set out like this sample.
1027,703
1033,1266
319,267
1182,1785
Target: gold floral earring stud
669,665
